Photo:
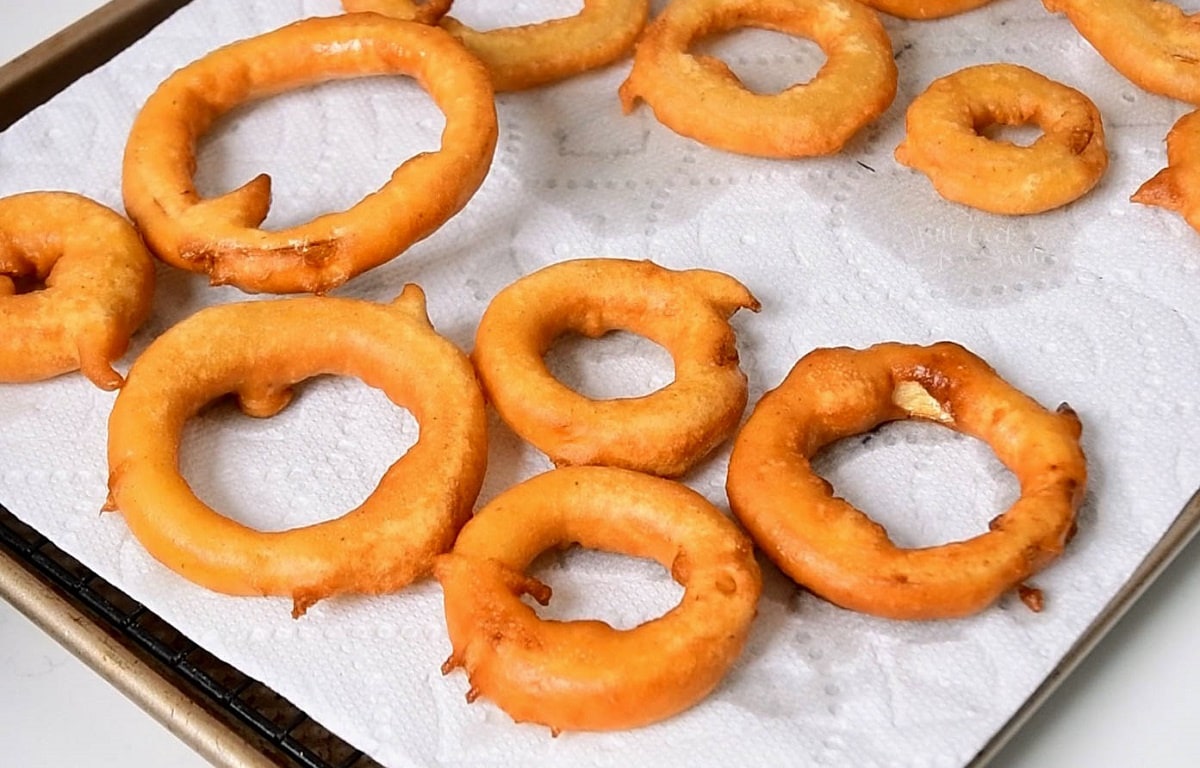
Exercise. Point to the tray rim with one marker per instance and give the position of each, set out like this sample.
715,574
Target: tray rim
35,76
1173,541
71,54
124,670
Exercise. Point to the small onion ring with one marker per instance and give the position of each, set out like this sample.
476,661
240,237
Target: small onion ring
1154,44
830,547
944,143
380,546
220,236
1177,187
585,675
700,97
924,9
531,55
663,433
99,287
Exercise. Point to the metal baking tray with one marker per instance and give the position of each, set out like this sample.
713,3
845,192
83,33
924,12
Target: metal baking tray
224,715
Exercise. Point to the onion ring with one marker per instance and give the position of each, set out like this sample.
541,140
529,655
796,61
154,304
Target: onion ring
219,236
701,98
585,675
99,286
428,12
924,9
830,547
1153,44
944,140
380,546
531,55
663,433
1177,187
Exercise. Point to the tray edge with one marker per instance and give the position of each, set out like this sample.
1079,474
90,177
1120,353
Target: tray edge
1177,536
92,645
37,75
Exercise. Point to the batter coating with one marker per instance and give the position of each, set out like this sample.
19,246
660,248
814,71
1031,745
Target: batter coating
585,675
700,97
663,433
1177,187
382,545
220,236
944,140
828,546
99,287
925,9
1154,44
532,55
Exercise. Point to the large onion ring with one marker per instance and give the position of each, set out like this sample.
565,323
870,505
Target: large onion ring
219,236
531,55
663,433
257,351
827,545
1154,44
944,140
99,285
700,97
1177,187
585,675
924,9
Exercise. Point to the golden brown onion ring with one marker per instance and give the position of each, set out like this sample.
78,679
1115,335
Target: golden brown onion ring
258,351
531,55
585,675
663,433
700,97
944,140
427,12
99,285
220,236
1177,187
1154,44
924,9
835,550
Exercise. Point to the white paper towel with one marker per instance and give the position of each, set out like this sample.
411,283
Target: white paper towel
1095,304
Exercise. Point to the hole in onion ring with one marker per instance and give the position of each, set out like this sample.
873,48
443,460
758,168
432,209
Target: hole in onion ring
17,284
924,466
481,15
766,61
618,364
306,158
620,590
316,459
1020,135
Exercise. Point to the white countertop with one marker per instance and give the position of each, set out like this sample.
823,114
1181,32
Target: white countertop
1134,701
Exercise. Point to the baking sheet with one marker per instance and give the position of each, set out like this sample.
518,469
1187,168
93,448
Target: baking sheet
124,668
942,280
220,712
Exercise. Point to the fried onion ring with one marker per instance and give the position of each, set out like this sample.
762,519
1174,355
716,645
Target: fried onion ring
531,55
944,140
427,12
701,98
99,285
830,547
1177,187
586,675
258,351
1154,44
924,9
663,433
220,236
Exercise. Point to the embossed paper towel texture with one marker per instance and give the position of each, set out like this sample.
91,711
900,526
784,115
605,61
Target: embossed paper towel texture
1094,304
